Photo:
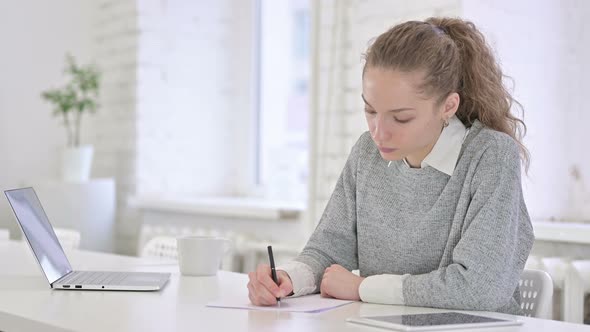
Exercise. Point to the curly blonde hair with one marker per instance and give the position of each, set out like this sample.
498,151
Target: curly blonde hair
456,58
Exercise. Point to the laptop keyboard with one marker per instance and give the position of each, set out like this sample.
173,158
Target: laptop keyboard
95,278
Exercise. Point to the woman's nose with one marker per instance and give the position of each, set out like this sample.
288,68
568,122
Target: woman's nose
379,133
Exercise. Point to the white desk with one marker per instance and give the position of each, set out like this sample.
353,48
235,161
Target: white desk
27,302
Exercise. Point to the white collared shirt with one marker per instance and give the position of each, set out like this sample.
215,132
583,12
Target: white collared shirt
388,288
445,153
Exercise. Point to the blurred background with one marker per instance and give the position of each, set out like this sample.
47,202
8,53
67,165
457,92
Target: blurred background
235,117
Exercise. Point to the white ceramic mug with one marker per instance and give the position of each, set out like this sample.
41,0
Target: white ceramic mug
201,255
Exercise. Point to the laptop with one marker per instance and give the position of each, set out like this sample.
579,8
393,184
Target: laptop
53,261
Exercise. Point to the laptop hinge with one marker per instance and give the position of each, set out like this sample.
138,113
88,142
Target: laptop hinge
65,275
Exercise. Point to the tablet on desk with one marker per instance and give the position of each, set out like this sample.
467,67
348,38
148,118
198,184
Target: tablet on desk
433,322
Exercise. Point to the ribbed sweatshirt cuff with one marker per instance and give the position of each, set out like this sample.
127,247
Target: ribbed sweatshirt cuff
383,289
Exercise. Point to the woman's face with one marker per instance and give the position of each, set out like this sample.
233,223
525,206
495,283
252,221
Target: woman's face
403,122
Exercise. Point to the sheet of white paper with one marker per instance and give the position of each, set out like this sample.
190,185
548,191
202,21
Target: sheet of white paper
309,304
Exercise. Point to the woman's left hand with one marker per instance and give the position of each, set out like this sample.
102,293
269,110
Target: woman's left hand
340,283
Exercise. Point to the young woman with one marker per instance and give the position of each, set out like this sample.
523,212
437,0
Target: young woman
429,206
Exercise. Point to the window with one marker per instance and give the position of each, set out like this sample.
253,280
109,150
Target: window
282,107
222,99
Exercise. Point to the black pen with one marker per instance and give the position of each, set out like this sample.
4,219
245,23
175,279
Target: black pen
273,270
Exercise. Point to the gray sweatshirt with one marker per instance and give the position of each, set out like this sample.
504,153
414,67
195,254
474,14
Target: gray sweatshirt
455,241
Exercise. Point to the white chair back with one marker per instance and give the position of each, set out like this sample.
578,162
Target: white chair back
536,294
68,238
160,247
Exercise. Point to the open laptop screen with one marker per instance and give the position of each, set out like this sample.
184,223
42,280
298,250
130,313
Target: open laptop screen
39,233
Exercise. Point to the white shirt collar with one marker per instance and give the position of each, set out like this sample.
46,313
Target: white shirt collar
445,153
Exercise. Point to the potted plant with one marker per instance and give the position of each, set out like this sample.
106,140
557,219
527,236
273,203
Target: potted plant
71,102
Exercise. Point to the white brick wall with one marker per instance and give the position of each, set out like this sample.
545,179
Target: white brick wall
113,131
114,125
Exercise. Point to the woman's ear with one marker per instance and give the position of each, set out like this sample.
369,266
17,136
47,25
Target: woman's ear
451,105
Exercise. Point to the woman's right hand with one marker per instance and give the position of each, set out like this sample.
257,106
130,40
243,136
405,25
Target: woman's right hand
263,291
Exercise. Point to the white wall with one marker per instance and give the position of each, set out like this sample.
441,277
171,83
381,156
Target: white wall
544,46
574,104
35,36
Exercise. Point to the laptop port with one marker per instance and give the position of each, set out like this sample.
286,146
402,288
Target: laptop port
78,286
66,286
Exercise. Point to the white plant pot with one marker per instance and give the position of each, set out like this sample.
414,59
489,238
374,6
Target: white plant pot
76,163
